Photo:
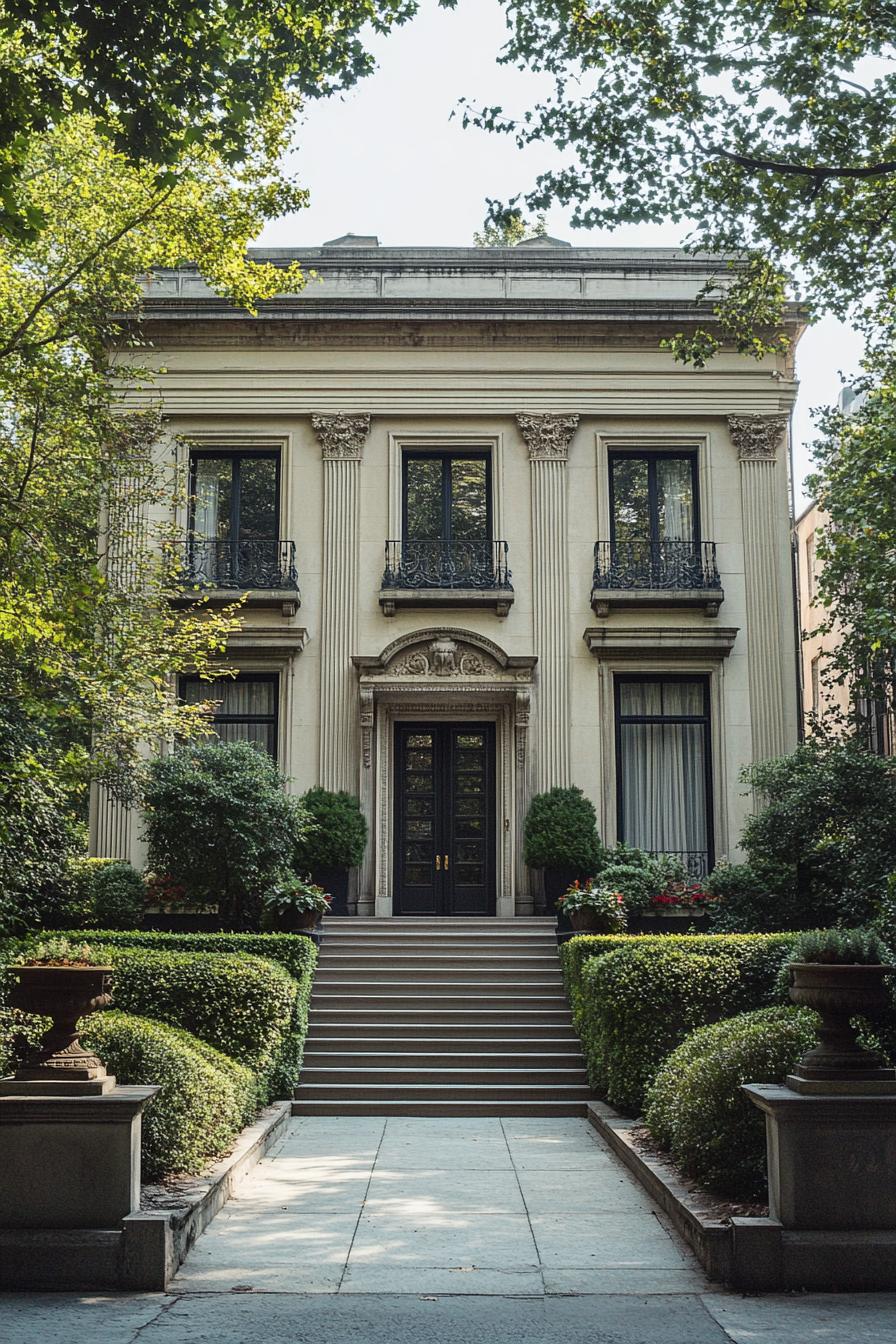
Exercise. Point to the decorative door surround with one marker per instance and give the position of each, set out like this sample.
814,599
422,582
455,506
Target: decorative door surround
452,673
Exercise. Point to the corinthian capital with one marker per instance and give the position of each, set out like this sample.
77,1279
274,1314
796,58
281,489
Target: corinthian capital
341,436
757,437
547,436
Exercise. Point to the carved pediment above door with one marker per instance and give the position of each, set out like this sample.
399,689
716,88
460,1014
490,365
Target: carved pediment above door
447,655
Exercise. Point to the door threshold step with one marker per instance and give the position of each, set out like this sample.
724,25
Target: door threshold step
530,1109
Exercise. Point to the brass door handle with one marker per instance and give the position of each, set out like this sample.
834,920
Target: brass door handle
438,863
446,863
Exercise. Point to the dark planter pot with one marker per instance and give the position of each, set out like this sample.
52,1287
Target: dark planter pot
555,883
334,881
838,993
295,921
65,994
586,921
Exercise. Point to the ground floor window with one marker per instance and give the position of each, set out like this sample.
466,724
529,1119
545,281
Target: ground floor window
246,707
663,767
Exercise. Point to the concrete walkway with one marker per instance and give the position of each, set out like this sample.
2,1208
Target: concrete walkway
365,1230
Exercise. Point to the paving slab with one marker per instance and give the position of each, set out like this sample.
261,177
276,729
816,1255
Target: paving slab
807,1318
443,1240
606,1188
60,1318
602,1240
403,1319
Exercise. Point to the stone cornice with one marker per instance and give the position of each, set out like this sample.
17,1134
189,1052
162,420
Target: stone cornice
547,436
342,437
757,437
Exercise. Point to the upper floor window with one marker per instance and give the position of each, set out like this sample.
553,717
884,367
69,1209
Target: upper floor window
235,495
447,497
653,497
811,573
246,708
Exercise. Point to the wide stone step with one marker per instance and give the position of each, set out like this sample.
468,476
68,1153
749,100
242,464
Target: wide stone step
380,1021
518,1073
440,985
481,1091
444,1039
408,963
414,1004
451,1106
332,1057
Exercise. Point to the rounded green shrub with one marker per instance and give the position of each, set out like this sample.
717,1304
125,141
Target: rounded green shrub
111,893
242,1005
695,1107
205,1098
335,835
561,832
220,825
292,951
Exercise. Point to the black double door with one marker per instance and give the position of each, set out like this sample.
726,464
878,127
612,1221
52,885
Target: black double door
444,819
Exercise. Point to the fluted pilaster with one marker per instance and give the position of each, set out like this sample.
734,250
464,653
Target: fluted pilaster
757,439
547,438
342,445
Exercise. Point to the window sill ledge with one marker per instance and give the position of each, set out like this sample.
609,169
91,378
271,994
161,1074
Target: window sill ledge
498,600
605,600
288,600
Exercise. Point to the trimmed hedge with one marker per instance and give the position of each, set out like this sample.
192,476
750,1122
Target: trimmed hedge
759,955
244,1006
297,953
205,1098
695,1107
634,999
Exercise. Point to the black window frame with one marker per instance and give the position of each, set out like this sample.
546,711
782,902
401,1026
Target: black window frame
652,456
446,456
705,719
269,678
236,455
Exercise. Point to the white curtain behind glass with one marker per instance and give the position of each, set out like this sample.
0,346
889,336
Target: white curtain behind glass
663,769
675,499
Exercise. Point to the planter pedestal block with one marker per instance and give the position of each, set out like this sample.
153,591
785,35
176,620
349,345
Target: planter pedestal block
831,1155
69,1160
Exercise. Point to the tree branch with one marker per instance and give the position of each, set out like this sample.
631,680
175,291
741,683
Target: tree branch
820,172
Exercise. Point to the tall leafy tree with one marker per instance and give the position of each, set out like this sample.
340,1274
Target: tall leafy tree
161,76
88,636
766,128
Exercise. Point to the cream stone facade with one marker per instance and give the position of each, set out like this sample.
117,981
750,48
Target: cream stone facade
530,385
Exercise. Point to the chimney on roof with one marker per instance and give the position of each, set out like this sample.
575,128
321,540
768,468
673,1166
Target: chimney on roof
353,240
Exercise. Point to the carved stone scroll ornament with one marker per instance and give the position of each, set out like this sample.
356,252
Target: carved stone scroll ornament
757,437
548,436
445,658
341,436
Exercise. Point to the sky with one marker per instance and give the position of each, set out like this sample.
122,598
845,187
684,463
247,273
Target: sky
389,158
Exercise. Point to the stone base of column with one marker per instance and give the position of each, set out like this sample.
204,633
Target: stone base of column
70,1161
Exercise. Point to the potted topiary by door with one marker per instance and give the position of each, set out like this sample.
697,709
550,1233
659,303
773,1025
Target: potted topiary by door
593,908
842,974
62,981
293,905
331,843
560,837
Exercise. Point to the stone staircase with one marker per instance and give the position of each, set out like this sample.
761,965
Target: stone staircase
440,1017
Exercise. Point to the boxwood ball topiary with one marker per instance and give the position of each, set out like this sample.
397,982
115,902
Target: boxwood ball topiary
561,832
695,1107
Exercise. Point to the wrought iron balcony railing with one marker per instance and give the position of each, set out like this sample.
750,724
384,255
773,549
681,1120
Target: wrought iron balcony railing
447,564
669,565
696,861
243,565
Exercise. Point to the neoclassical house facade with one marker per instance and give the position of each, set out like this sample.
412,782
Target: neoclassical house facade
494,539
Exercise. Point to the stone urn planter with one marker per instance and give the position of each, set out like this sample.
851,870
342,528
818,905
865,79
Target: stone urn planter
65,994
837,992
587,921
296,921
